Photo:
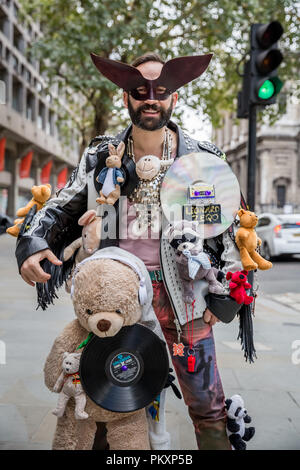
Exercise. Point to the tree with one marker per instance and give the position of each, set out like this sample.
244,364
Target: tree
125,29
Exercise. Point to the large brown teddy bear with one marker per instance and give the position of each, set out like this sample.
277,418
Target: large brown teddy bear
107,296
247,242
40,194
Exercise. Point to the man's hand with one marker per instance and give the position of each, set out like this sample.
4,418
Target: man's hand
31,270
210,318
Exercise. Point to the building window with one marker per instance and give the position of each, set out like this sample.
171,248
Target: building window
4,23
19,41
16,10
17,95
4,78
41,121
281,195
30,106
14,63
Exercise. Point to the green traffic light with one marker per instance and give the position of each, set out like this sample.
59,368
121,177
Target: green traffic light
266,90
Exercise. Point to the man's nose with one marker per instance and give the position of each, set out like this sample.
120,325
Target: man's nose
151,101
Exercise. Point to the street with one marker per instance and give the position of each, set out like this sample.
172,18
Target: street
270,386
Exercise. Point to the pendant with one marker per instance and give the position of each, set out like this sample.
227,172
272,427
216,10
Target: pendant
178,349
191,362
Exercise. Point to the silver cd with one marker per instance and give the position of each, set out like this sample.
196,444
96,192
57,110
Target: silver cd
201,186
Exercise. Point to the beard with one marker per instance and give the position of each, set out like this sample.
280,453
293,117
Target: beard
149,123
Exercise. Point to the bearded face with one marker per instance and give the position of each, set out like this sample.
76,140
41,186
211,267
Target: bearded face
148,167
150,117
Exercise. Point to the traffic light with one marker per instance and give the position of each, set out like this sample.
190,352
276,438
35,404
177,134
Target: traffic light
260,81
265,57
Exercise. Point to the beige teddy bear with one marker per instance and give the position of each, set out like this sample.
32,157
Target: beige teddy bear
247,242
68,384
107,294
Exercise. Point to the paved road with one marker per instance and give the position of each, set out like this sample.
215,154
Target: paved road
282,278
270,386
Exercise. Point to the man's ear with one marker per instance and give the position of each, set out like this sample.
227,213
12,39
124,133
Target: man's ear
175,99
125,99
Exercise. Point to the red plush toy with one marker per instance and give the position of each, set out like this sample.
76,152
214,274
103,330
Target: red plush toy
237,287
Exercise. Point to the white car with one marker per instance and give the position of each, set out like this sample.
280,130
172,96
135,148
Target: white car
279,233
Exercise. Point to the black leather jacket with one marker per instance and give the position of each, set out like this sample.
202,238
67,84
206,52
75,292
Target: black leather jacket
56,225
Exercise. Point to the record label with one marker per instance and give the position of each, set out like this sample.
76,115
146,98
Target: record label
124,367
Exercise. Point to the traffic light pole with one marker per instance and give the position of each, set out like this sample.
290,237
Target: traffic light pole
251,170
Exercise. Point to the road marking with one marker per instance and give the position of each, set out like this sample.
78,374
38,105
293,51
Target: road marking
236,346
290,299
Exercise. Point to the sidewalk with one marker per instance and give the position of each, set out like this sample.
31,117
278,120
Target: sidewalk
270,386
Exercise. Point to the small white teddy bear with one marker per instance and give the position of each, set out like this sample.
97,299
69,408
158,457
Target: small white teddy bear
68,385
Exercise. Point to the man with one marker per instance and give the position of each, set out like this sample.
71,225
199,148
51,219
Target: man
150,95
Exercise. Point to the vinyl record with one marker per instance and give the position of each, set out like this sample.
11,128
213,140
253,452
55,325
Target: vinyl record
218,193
125,372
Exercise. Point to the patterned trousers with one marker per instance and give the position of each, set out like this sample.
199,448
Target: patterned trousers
202,390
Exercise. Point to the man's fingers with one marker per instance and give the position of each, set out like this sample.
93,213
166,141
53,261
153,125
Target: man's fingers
27,280
52,258
35,273
39,275
207,317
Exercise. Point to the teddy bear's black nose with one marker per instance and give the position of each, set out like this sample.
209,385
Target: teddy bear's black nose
103,325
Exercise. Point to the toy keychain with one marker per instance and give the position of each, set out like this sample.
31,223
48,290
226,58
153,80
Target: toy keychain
191,350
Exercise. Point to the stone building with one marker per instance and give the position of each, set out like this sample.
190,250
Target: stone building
278,158
31,149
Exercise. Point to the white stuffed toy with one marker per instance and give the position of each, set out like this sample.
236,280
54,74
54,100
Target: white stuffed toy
68,384
237,416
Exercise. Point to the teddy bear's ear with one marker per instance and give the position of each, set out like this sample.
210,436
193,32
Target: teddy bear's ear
229,275
121,149
228,403
112,149
76,355
65,355
241,212
245,272
87,217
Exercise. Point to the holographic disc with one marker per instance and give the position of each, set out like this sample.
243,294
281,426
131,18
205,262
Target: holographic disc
201,187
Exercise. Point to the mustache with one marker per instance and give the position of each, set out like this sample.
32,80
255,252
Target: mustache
149,107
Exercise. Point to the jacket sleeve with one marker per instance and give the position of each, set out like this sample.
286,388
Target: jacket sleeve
57,221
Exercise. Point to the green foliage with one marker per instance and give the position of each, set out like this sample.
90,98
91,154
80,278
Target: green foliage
125,29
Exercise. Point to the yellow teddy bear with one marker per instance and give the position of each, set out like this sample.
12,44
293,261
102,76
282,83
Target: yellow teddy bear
40,194
247,242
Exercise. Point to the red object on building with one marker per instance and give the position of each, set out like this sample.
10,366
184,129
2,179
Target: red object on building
62,178
46,171
26,165
2,153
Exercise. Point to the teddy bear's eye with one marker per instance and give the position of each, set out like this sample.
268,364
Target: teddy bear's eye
89,312
118,311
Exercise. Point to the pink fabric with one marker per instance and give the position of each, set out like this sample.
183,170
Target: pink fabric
146,248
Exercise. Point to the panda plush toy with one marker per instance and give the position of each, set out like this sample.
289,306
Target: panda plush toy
237,416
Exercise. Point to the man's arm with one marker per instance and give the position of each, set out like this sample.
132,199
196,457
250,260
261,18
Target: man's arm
57,220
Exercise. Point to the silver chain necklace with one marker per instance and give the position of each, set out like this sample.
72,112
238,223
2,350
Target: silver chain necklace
146,196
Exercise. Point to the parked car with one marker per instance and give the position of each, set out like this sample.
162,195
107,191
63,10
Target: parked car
279,233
